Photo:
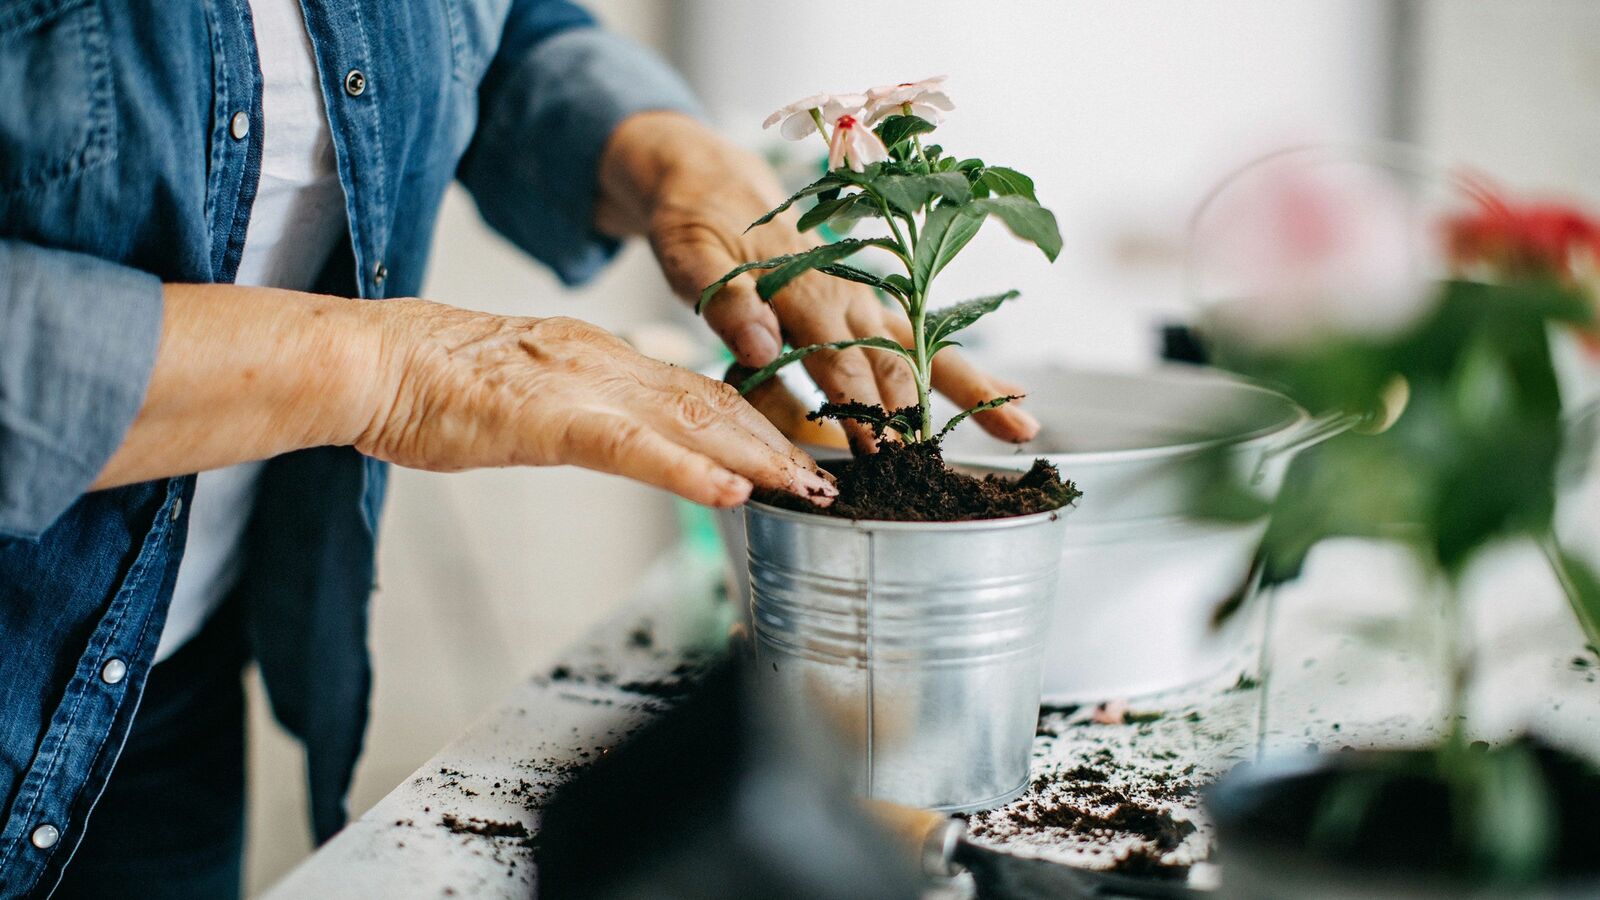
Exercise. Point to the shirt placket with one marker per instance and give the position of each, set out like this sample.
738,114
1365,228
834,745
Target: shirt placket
352,88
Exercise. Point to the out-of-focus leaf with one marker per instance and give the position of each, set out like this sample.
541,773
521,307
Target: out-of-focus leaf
1581,585
1003,182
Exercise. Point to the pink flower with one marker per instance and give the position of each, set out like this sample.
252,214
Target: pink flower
925,99
800,117
1301,250
854,143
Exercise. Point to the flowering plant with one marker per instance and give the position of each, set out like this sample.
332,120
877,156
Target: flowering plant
931,205
1472,458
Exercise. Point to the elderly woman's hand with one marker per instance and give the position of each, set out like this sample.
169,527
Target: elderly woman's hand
694,194
469,390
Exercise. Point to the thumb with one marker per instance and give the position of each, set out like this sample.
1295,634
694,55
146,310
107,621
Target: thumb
693,259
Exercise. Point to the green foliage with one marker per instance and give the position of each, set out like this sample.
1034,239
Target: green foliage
1026,219
828,182
945,231
942,202
1003,182
947,321
799,353
960,417
906,194
896,131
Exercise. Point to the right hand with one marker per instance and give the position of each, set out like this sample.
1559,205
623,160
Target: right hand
465,390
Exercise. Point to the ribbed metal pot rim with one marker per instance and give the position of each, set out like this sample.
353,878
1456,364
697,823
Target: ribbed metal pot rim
896,525
1264,435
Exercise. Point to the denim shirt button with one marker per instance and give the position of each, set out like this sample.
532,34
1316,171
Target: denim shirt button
113,671
45,836
355,83
177,508
239,126
379,273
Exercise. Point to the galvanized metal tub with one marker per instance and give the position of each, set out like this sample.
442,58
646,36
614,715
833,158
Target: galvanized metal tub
922,641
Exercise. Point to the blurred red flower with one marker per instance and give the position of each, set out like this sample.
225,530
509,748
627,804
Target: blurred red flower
1500,239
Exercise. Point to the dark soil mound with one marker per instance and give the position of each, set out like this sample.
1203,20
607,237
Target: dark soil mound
910,483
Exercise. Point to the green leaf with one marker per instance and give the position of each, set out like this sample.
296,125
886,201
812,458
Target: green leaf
960,417
825,210
800,263
898,282
895,129
945,231
944,322
861,276
1513,821
799,353
1581,585
1026,219
806,259
910,193
1003,182
827,182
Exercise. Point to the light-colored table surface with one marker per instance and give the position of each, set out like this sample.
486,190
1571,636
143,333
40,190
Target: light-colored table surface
1349,663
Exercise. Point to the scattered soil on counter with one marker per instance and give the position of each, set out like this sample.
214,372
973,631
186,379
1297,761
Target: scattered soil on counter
909,482
1142,863
485,827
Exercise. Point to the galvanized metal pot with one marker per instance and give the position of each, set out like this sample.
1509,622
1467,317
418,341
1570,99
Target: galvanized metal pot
922,641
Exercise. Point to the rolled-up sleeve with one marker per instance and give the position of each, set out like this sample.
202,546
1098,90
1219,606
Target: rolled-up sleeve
78,339
556,90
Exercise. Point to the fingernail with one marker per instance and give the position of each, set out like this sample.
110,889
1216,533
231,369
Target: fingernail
754,345
813,485
1026,419
737,484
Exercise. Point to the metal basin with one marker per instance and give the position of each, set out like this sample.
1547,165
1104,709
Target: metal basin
1142,573
922,641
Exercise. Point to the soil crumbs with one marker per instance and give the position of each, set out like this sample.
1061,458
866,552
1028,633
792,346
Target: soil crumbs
906,482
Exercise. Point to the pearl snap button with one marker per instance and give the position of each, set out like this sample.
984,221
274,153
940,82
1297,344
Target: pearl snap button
355,83
45,836
380,272
113,671
239,126
177,508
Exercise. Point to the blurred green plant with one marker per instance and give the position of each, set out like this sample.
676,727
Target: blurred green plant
1471,459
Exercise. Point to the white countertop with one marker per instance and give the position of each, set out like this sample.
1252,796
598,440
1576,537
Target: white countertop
1325,688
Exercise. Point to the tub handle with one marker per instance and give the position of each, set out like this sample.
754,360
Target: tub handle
1331,424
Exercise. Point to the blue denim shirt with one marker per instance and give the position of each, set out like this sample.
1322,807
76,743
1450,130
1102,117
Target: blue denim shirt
120,169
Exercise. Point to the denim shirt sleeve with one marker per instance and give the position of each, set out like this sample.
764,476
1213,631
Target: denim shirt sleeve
78,339
547,106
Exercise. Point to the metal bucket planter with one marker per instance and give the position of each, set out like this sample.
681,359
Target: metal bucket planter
922,641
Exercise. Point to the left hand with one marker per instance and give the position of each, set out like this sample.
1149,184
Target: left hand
693,193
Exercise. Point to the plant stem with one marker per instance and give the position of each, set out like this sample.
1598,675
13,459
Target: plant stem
916,139
822,128
919,321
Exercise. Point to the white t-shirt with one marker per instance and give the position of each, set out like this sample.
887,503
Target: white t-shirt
297,219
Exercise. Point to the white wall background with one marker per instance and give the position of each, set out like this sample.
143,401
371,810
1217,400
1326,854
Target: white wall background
1124,112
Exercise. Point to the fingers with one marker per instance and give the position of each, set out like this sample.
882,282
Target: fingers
846,375
692,258
711,417
897,385
621,446
967,386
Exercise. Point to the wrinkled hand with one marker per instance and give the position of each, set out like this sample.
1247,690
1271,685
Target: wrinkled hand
468,390
702,193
